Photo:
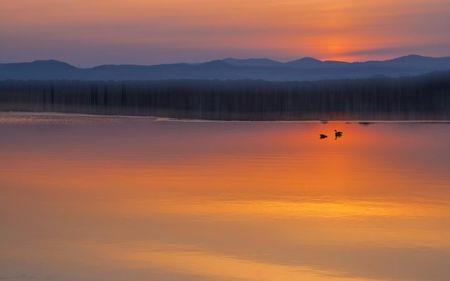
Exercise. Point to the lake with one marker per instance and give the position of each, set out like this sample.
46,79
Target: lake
128,198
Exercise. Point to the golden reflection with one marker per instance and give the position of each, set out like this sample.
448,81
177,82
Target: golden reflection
293,209
229,268
223,201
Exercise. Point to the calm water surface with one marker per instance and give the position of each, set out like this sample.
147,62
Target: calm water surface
111,199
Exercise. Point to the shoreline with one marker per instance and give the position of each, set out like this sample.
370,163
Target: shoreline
187,120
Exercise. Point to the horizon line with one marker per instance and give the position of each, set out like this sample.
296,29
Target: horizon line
228,58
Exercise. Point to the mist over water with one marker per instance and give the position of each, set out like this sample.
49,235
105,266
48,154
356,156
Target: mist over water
413,98
111,198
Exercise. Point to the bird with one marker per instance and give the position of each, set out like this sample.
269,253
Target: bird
338,134
322,136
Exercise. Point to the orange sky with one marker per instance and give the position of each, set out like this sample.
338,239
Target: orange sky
87,32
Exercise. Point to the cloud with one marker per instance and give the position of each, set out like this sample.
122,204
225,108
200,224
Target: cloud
442,48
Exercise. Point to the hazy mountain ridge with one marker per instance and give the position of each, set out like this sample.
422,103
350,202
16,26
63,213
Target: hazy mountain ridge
232,69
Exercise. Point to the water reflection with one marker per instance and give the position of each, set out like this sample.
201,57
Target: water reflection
94,198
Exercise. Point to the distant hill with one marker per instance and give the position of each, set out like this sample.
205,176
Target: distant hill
305,69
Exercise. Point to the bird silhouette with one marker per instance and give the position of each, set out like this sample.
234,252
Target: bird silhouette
322,136
338,134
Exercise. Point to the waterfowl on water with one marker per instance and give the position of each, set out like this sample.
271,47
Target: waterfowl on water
322,136
338,134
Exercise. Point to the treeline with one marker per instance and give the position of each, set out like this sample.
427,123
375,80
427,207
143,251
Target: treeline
425,97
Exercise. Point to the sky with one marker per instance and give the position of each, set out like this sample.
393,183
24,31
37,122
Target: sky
87,33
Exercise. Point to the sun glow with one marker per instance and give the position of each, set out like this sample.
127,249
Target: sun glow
167,31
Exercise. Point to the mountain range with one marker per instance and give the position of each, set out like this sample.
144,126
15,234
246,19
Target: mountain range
305,69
